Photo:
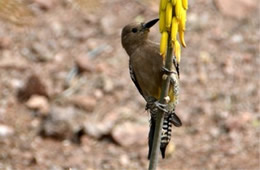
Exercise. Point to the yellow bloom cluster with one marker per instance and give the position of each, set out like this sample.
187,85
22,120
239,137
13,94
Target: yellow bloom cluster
172,15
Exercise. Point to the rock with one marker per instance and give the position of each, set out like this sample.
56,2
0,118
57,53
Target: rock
62,123
124,160
57,28
39,103
205,57
93,43
6,131
41,52
33,86
102,67
214,131
98,93
105,83
108,85
16,83
84,64
45,4
239,9
130,133
237,38
202,77
8,61
5,42
97,129
86,103
29,159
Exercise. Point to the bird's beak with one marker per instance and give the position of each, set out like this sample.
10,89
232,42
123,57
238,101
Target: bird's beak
151,23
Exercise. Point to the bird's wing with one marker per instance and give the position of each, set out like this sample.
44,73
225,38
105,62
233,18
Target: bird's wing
133,77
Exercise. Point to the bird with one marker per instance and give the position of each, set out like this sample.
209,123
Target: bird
146,67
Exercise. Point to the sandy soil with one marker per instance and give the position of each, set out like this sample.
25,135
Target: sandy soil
67,100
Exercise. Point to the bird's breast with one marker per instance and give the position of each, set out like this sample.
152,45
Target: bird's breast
147,67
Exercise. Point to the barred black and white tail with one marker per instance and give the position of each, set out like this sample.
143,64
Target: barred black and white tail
166,134
169,119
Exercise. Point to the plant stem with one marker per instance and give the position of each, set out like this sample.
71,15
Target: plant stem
159,118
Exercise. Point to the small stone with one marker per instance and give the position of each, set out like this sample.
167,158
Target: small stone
102,67
95,130
205,57
129,133
108,85
29,159
45,4
16,83
237,38
5,42
41,52
105,83
98,93
6,131
124,160
8,61
92,43
215,132
103,127
62,123
202,76
84,64
57,28
39,103
33,86
86,103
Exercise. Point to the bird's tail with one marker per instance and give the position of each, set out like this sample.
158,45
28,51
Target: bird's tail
169,119
166,134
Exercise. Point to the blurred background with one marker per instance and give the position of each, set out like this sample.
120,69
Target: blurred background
67,100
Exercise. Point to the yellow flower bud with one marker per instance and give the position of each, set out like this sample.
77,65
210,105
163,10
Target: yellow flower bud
163,44
168,15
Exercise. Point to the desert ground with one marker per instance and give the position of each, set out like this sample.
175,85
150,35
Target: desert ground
67,101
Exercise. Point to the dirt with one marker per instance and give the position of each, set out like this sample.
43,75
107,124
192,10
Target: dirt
67,100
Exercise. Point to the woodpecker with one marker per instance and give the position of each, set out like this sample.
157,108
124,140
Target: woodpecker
146,70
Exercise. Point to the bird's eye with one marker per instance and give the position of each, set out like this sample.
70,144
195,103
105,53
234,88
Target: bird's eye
134,30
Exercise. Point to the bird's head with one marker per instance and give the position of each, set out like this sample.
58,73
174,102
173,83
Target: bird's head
135,34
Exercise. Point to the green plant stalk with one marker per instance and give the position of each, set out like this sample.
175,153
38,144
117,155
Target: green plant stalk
159,118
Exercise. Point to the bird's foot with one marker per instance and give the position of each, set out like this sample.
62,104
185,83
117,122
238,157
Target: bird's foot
150,102
161,106
153,104
167,71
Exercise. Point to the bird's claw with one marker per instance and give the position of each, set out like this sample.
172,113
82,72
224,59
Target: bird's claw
167,71
161,106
